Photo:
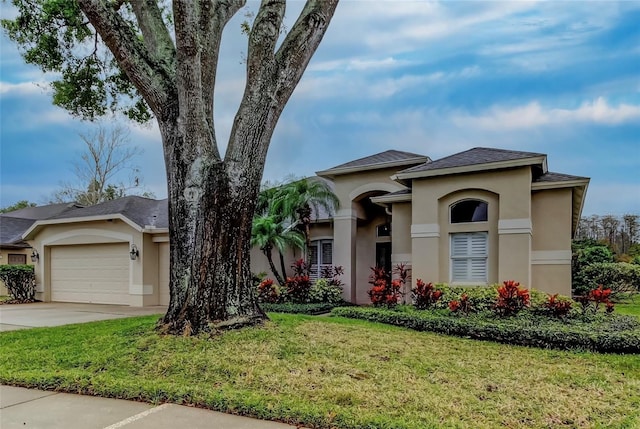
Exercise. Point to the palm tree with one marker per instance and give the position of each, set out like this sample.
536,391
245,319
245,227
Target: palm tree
299,199
268,234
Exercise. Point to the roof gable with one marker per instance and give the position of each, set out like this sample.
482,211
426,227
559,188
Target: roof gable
386,159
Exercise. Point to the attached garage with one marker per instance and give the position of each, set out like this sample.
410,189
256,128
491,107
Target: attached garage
90,273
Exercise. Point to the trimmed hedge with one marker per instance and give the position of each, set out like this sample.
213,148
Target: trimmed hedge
20,281
618,334
290,307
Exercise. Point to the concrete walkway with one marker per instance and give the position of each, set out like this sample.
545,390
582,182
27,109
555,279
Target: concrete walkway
39,314
36,409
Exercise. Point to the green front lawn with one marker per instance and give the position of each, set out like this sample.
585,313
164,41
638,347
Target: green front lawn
332,372
629,308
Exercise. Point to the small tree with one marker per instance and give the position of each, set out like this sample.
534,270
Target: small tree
108,154
20,281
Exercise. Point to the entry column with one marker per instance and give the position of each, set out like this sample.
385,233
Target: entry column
344,249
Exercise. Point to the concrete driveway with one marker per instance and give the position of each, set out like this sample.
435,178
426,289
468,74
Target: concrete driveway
24,316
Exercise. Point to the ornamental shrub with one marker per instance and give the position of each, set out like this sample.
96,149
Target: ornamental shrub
511,298
461,306
268,292
20,281
620,277
297,288
323,291
611,334
424,295
383,292
558,307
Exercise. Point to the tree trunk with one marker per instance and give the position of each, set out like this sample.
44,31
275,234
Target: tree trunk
282,266
210,237
274,270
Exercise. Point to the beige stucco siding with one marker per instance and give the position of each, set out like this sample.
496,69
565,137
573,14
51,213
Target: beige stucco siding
551,240
508,194
349,187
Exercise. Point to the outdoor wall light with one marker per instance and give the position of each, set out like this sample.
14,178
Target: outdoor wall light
35,257
134,253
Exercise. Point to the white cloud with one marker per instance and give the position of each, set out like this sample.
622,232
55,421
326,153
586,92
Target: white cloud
533,115
23,88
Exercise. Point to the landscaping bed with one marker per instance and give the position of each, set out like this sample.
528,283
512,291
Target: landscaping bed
294,308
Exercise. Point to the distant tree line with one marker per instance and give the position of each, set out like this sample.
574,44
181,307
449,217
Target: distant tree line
620,233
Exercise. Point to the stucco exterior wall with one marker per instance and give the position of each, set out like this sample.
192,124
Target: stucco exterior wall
551,240
508,193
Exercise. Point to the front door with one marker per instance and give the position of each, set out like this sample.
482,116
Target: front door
383,256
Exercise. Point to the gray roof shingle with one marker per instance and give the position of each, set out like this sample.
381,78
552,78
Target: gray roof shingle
11,230
15,223
142,211
379,159
558,177
42,212
475,156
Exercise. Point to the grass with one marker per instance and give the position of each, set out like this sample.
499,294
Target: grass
332,372
629,308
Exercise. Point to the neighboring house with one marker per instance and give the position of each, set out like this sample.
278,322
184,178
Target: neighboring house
13,248
474,218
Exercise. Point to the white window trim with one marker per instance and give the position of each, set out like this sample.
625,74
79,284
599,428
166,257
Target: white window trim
480,222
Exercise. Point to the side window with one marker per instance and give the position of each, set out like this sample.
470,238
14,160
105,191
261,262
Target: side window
383,230
469,211
17,259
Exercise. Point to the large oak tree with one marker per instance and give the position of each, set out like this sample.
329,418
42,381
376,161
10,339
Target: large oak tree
161,60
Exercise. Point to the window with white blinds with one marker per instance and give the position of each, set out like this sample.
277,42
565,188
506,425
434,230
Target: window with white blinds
469,252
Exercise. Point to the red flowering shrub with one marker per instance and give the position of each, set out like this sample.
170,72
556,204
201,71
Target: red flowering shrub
463,305
600,296
299,285
557,307
425,295
594,298
511,298
268,291
383,292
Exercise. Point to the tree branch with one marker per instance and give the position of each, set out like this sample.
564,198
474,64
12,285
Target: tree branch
214,17
301,42
154,31
149,76
263,38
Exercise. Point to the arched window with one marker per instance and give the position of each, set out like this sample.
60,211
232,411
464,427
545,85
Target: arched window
469,211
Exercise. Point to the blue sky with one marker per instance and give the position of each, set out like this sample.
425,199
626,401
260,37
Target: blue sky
435,78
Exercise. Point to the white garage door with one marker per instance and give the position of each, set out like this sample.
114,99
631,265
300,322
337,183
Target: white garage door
92,273
163,274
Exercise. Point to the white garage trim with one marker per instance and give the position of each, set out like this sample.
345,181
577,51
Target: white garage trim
80,235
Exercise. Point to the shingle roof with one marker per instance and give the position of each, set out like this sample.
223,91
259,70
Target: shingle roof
558,177
15,223
41,212
379,160
142,211
475,156
11,230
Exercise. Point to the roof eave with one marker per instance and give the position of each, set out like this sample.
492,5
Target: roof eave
523,162
39,224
